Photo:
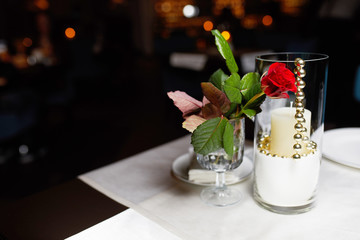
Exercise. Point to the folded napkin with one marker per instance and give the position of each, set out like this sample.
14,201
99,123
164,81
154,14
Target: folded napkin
209,177
202,176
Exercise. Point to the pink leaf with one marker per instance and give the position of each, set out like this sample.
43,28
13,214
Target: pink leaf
205,101
192,122
184,102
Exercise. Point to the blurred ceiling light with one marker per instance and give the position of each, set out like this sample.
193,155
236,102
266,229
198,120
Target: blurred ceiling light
23,149
70,33
190,11
226,35
27,42
208,25
267,20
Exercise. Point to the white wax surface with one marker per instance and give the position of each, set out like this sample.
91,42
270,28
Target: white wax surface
286,181
283,131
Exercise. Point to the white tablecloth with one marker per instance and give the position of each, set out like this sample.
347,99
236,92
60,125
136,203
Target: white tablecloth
143,182
128,225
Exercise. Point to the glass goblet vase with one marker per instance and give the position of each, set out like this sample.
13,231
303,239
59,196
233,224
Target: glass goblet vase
220,162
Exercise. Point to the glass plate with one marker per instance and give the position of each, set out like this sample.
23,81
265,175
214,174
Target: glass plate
342,145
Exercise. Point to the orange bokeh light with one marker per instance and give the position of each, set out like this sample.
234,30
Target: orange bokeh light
208,25
166,7
226,35
27,42
42,4
70,33
267,20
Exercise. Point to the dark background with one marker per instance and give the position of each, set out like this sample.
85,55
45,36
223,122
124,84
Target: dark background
72,105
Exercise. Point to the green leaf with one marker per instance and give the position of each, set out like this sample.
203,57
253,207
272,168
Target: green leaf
250,113
233,80
233,94
228,139
208,137
252,107
250,85
225,51
256,101
218,78
251,92
249,79
232,88
232,110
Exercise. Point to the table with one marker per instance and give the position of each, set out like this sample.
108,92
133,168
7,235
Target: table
143,184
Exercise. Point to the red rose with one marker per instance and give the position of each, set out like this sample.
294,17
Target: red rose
278,81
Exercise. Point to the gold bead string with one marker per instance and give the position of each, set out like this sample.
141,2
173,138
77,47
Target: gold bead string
299,105
300,111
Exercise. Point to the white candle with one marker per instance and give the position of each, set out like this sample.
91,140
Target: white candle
283,131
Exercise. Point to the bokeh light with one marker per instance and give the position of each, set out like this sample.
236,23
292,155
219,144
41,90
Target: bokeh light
190,11
250,21
41,4
226,35
208,25
267,20
166,7
27,42
237,7
70,33
118,1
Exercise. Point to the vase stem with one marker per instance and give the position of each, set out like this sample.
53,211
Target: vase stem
220,179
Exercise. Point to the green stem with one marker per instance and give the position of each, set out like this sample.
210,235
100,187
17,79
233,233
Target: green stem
249,102
237,110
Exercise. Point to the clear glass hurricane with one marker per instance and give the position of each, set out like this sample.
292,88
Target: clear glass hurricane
287,146
220,162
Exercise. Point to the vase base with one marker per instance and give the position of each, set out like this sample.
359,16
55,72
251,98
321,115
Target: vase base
286,210
220,197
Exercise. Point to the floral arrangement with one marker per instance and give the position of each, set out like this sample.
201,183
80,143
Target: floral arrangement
229,97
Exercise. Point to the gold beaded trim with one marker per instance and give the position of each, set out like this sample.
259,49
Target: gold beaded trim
264,147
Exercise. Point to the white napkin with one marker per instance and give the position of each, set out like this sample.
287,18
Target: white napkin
202,176
128,225
209,177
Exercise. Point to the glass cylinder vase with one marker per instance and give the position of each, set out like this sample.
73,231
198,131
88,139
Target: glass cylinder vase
288,136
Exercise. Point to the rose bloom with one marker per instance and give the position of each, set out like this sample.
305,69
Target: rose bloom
278,81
